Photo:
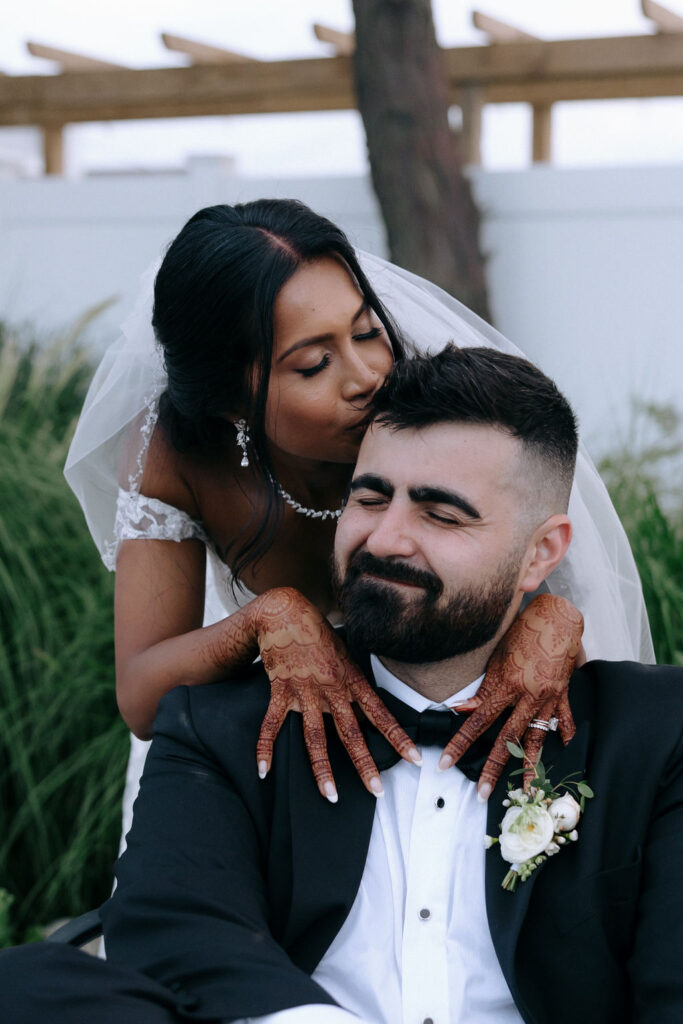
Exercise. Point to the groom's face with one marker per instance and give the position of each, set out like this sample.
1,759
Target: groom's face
430,549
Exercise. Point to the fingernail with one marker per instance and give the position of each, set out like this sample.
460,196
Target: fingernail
415,756
484,792
331,792
376,786
445,763
262,769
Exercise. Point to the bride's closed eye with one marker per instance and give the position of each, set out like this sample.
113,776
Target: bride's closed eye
374,332
312,370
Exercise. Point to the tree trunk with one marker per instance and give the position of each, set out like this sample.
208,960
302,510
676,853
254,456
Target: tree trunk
431,219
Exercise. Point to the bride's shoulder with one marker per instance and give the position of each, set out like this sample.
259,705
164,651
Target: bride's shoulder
167,475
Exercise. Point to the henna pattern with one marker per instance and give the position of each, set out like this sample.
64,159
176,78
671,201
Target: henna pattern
310,672
529,670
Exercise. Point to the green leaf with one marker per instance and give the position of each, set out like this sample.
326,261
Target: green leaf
585,790
515,749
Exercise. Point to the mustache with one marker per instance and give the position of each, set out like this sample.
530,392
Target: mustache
399,572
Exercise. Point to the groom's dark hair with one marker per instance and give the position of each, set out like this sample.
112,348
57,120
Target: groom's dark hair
489,387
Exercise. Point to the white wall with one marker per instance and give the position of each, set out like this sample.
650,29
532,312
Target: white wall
584,266
585,276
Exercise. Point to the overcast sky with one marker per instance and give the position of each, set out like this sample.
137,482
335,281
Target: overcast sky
127,31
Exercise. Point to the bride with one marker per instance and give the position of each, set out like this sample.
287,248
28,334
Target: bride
212,464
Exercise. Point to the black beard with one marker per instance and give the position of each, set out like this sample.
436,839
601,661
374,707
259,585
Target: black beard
379,620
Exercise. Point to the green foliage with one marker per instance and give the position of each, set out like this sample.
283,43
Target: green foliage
515,749
6,930
639,479
62,745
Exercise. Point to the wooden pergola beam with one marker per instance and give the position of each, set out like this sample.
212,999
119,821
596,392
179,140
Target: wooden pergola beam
53,149
344,42
530,72
69,60
500,31
204,53
664,19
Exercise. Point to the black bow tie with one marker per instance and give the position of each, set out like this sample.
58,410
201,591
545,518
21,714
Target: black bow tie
428,728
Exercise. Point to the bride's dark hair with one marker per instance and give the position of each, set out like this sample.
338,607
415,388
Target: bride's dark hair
213,316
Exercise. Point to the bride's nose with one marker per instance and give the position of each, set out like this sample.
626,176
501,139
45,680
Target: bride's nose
361,381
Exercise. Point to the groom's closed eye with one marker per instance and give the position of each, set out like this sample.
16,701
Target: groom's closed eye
372,483
441,496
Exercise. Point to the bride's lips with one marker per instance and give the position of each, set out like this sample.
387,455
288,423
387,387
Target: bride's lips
361,423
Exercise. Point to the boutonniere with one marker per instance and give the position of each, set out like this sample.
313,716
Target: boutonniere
537,823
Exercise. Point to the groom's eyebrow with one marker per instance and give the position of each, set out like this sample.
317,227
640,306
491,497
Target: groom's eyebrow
372,482
441,496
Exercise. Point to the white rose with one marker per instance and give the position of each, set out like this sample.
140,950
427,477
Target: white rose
565,813
518,796
525,832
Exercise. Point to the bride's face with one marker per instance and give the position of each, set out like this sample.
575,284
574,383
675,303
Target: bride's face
330,354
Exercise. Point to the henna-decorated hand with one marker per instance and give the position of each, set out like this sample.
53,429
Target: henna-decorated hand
310,672
530,668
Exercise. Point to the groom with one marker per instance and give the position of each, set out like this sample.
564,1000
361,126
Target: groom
239,898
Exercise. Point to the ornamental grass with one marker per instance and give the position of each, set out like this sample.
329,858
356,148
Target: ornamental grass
63,747
646,484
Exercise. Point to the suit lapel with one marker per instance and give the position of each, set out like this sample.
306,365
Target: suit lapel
329,844
506,911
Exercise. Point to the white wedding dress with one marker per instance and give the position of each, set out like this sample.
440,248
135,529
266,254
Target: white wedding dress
106,462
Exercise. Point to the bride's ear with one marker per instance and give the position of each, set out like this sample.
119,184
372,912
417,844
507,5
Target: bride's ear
546,550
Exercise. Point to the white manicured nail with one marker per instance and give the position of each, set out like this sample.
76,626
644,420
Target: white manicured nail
262,769
331,792
377,787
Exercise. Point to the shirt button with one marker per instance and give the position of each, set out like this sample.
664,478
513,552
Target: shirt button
425,914
440,802
428,1020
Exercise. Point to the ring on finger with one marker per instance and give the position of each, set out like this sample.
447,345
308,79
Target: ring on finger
546,725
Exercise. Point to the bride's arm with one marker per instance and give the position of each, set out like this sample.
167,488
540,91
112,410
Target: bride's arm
159,639
160,644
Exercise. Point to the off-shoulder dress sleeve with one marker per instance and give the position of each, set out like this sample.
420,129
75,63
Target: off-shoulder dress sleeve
141,518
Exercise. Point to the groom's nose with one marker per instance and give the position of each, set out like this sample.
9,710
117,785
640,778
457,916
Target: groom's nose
392,533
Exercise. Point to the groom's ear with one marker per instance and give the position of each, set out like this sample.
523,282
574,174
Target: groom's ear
547,548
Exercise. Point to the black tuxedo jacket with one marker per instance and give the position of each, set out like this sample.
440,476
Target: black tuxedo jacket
232,888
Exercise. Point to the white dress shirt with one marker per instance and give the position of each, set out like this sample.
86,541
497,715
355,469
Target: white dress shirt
415,947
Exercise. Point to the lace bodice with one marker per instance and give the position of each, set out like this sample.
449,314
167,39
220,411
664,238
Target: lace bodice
141,518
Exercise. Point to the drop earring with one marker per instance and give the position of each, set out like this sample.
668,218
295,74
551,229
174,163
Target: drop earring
242,440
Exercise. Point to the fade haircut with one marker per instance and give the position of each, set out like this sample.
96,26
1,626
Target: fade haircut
488,387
